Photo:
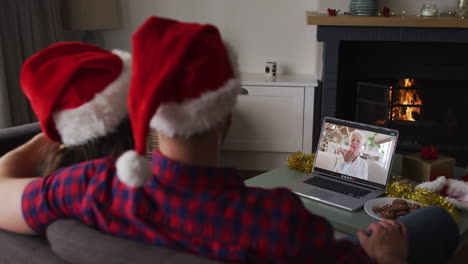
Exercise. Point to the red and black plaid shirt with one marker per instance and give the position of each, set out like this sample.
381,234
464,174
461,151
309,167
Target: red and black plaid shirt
207,211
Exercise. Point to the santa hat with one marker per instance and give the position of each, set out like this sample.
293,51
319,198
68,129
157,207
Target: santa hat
77,90
183,83
455,191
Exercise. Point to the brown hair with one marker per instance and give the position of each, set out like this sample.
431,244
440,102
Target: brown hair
113,144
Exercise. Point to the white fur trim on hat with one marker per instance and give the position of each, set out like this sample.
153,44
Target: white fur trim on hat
459,205
457,192
99,116
197,115
132,169
435,186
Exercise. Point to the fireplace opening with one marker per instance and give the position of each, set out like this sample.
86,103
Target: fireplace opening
405,102
398,103
424,97
426,112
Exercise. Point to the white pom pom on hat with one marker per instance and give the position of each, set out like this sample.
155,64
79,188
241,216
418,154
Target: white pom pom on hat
133,169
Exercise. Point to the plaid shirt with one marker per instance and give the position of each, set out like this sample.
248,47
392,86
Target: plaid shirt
207,211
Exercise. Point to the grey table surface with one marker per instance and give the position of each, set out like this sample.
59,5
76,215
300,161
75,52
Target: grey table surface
342,220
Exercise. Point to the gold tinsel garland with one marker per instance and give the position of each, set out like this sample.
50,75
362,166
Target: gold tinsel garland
301,162
422,196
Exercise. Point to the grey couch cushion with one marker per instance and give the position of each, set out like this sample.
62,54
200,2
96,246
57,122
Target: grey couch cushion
80,244
12,137
72,240
19,249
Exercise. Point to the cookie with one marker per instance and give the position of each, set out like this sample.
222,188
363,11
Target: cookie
388,214
401,213
396,209
382,208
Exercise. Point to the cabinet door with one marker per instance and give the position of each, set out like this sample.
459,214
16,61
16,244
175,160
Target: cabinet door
267,119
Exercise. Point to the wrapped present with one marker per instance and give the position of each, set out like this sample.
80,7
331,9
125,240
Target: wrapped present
418,169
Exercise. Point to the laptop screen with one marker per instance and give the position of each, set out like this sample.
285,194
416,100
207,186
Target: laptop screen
355,152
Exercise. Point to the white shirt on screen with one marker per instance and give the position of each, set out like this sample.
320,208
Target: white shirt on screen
357,168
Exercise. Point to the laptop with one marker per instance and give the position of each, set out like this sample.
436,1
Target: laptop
352,164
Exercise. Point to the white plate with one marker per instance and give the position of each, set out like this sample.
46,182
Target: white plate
379,202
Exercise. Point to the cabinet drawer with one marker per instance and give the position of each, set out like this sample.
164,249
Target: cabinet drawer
267,118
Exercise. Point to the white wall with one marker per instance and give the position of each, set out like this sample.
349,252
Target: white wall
259,30
412,7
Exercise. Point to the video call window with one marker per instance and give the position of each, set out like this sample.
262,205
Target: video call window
354,152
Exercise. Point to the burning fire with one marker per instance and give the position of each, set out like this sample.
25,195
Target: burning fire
407,102
407,82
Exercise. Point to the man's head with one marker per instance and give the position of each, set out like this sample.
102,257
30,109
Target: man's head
202,149
184,85
356,141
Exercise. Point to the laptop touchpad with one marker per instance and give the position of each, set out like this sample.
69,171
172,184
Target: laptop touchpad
321,194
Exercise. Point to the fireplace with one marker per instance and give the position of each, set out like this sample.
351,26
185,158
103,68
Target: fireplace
412,79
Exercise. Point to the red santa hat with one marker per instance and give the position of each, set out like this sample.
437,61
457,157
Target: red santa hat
455,191
183,83
77,90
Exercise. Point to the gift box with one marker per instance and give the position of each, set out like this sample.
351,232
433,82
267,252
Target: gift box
416,168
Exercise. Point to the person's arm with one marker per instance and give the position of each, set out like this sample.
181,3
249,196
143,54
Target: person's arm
341,166
17,169
286,232
11,216
23,161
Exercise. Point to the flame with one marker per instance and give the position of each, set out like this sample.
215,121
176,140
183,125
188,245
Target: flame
406,97
408,82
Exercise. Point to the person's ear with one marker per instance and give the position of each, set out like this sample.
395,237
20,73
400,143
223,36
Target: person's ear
224,128
229,120
227,125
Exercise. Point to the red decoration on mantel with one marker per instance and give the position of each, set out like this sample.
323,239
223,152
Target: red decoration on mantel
332,12
429,153
385,11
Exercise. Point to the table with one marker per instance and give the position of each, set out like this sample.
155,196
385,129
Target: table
342,220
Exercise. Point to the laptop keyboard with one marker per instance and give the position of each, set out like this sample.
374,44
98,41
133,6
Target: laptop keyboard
337,187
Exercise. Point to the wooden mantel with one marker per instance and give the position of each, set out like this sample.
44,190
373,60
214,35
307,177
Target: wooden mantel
313,18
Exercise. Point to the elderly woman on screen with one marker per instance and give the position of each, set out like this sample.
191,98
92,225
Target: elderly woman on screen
349,162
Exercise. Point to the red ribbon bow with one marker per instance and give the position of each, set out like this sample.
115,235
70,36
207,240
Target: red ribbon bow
429,153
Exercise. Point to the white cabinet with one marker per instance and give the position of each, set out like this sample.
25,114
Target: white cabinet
267,119
272,119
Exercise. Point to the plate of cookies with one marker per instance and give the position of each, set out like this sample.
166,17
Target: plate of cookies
390,208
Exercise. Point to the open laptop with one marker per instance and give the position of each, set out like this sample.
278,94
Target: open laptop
340,176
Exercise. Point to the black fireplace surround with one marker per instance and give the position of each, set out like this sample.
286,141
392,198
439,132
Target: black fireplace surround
437,60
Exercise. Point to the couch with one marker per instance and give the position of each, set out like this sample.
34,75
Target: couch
72,242
14,136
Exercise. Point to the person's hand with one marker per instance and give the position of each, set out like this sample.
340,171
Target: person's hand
41,145
24,160
348,155
388,242
36,148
